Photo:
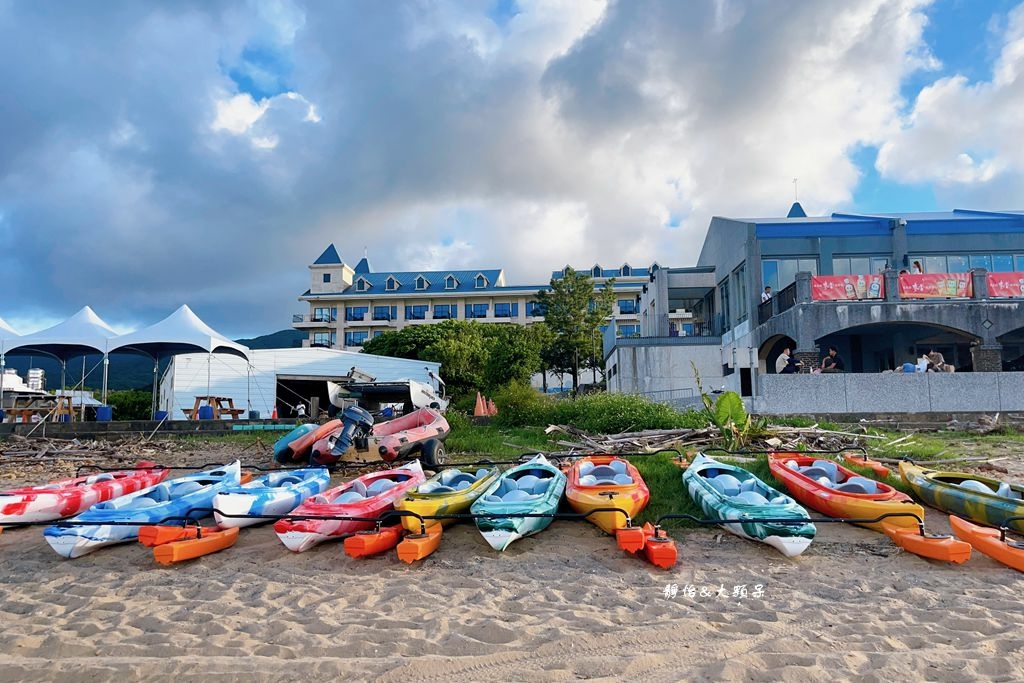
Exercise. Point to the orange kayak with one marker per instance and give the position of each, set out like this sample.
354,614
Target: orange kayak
991,542
879,470
298,450
417,546
205,542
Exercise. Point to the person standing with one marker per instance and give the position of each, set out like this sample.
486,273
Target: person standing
766,294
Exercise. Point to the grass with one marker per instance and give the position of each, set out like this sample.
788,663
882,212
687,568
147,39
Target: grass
490,441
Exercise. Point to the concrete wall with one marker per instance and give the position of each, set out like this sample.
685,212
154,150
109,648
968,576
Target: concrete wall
890,393
664,371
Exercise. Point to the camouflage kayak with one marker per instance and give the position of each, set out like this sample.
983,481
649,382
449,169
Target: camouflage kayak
728,492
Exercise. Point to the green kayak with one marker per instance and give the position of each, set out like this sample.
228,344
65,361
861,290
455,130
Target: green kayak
533,487
728,492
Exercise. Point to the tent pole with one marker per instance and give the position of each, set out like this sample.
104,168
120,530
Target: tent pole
3,371
156,370
63,376
81,390
209,360
106,364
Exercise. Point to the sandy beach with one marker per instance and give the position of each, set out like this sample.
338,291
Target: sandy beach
564,605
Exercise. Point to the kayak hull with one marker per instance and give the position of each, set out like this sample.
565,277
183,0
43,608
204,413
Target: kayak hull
987,542
630,498
790,539
274,494
458,502
940,491
501,532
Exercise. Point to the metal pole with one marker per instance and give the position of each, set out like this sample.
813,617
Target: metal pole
156,371
81,391
3,371
106,364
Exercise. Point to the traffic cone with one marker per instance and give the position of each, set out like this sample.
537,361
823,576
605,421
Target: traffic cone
479,410
492,409
273,413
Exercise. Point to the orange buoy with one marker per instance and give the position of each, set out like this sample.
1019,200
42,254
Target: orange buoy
158,534
659,549
206,542
417,546
372,542
631,539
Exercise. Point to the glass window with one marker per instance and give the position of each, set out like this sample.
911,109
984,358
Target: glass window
502,310
840,266
957,264
626,270
933,264
416,312
879,263
476,310
385,312
627,306
392,284
770,275
1019,261
534,310
450,282
787,272
739,287
860,266
481,282
421,282
327,277
627,331
355,313
723,294
1002,263
325,339
809,265
445,312
981,261
356,338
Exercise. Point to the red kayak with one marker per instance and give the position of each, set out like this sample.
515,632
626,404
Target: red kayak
69,497
421,433
368,496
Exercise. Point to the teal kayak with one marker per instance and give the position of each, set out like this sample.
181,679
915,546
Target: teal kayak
534,487
281,445
728,492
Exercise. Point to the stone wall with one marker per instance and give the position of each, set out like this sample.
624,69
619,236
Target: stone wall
932,392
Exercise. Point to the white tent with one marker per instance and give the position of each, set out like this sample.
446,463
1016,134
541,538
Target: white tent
7,335
81,334
180,332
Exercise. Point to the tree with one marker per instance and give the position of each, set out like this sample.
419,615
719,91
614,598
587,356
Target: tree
515,354
574,311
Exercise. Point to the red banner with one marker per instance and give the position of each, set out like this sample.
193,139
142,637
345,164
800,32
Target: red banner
935,285
847,287
1006,284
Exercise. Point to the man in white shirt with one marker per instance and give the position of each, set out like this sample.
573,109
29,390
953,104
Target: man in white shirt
766,294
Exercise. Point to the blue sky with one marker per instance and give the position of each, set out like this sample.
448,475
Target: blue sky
160,154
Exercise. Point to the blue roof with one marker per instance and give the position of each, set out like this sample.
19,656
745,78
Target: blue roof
606,272
329,257
957,221
436,280
363,266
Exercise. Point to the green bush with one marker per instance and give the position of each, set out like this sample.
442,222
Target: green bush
602,413
131,404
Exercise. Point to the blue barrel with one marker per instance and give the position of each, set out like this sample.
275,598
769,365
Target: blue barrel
160,415
254,414
205,412
64,418
2,415
104,413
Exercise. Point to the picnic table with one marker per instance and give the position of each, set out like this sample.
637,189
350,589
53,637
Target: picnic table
222,405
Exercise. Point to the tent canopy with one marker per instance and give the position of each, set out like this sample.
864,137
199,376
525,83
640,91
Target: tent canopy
180,332
6,331
81,334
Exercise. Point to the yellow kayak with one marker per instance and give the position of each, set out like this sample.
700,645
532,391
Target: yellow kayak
606,481
451,491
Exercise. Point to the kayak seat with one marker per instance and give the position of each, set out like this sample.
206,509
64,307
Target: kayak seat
289,481
828,466
160,493
727,484
603,472
972,485
750,498
1006,491
869,485
380,486
481,473
779,500
817,473
748,485
141,503
463,485
518,495
623,478
618,465
851,487
349,496
359,487
526,482
586,467
185,488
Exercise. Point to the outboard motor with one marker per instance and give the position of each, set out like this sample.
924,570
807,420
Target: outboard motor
356,423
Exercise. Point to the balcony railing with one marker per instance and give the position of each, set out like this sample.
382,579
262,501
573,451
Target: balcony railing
314,318
786,298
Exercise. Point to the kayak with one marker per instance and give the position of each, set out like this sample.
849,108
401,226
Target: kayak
281,450
67,497
727,492
979,499
606,481
177,498
368,496
450,491
297,450
421,433
273,494
533,487
877,468
991,542
832,489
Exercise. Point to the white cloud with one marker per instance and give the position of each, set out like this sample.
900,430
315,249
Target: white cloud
965,137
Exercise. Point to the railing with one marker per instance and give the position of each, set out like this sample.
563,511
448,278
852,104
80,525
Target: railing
765,310
314,318
786,298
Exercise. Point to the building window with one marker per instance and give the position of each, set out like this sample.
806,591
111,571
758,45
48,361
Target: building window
356,338
385,312
481,281
355,313
506,310
625,270
739,288
324,315
327,277
534,310
362,285
450,282
961,263
723,295
421,282
596,271
324,339
781,273
446,312
392,284
627,331
416,312
859,265
627,306
476,310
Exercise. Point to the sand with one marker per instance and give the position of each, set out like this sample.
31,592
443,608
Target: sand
564,605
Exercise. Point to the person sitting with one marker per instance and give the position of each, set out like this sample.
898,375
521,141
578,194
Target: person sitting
785,364
832,362
766,295
938,363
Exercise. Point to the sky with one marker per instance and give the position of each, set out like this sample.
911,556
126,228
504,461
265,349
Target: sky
159,153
